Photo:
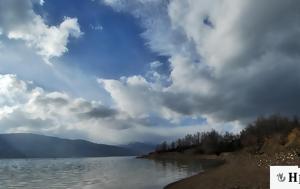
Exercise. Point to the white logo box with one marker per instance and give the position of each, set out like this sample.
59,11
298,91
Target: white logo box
284,177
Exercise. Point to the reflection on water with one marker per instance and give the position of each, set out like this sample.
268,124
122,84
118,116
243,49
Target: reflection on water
93,173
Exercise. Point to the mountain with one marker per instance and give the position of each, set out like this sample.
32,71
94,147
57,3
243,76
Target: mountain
140,148
21,145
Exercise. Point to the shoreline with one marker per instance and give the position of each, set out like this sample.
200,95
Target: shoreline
245,167
242,169
178,182
239,170
233,170
208,162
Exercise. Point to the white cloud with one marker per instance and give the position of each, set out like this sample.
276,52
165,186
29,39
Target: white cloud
42,2
20,22
129,94
231,60
24,107
49,41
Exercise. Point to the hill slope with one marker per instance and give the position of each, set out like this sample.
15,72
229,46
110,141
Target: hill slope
23,145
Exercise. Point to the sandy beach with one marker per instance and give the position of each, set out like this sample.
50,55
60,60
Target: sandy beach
237,172
241,170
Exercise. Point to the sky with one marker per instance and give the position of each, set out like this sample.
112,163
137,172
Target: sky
121,71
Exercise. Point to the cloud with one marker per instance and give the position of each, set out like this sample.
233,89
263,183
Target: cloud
49,41
42,2
231,60
138,97
18,21
158,30
61,76
25,107
99,112
129,94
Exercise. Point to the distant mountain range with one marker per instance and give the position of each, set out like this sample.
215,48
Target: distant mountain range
23,145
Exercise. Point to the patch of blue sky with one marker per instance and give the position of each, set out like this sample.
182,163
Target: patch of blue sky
111,45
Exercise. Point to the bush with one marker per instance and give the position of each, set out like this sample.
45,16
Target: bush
206,142
254,136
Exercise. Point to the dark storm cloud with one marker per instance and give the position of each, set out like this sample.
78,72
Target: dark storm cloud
249,60
99,112
84,109
274,87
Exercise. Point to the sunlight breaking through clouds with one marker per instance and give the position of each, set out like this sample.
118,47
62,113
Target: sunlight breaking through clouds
221,63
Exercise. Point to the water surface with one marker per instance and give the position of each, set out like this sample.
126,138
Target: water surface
93,173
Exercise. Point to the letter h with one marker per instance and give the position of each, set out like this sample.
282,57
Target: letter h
293,177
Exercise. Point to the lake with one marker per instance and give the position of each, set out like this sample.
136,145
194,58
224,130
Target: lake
93,173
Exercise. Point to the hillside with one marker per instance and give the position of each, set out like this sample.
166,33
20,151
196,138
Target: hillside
23,145
273,140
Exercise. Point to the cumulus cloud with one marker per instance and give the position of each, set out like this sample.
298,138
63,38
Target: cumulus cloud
129,94
18,21
231,60
138,97
25,107
49,41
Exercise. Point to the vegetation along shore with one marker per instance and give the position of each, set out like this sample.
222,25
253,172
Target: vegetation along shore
240,160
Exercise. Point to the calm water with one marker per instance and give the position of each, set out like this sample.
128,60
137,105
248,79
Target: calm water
93,173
